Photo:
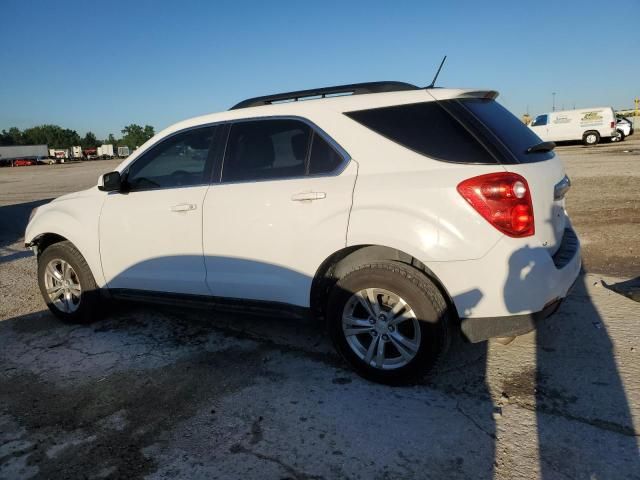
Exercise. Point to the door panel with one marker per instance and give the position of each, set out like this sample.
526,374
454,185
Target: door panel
152,240
151,233
265,240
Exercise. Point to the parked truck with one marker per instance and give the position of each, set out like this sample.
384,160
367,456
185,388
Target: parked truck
105,151
123,152
23,152
76,153
590,125
60,154
90,153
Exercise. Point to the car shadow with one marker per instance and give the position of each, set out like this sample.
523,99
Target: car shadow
576,390
14,220
582,410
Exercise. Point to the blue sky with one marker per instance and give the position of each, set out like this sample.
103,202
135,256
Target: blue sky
100,65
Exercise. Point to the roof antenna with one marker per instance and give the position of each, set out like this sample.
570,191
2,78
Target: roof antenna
437,73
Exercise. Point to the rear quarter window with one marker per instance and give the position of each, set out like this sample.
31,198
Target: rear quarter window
460,131
426,128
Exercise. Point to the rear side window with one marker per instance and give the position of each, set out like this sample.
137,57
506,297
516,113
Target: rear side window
266,149
323,158
426,128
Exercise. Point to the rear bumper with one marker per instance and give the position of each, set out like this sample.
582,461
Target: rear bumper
562,275
481,329
517,283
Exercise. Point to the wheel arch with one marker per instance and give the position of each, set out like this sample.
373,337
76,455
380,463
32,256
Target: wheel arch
344,260
45,240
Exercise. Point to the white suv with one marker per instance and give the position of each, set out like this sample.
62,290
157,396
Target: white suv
397,214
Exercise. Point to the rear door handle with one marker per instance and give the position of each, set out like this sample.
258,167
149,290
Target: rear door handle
183,207
308,196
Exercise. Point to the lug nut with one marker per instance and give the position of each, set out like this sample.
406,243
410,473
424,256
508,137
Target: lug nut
385,337
391,328
374,333
372,321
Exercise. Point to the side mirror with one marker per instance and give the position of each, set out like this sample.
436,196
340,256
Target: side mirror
110,182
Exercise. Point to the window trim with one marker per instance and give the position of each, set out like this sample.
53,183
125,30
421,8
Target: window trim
315,130
209,162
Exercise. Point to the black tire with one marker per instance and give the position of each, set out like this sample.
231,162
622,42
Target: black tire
425,300
591,138
89,297
621,135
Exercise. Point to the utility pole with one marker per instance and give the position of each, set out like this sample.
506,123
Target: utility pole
553,109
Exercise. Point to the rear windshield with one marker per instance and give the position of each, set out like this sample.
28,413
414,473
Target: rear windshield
459,131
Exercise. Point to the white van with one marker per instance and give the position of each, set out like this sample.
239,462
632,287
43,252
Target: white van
587,124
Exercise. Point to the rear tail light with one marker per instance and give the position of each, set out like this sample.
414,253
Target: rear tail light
503,199
613,124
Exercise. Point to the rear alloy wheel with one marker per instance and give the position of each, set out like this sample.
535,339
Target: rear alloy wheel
381,328
621,136
389,321
66,283
591,138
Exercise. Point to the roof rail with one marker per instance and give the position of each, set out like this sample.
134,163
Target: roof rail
353,89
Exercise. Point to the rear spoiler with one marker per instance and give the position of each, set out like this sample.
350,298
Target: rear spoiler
451,94
487,94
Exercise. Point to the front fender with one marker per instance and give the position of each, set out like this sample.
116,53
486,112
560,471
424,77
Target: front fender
77,221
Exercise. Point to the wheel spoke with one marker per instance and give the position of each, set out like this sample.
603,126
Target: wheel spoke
397,308
380,353
357,331
56,294
66,270
53,271
350,320
404,316
355,326
371,350
373,301
403,343
65,303
365,303
75,290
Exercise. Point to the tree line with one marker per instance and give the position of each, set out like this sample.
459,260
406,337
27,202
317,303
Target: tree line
57,137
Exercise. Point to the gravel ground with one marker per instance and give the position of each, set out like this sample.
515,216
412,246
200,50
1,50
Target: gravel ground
170,393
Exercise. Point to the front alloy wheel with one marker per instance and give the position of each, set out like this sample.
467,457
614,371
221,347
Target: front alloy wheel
62,285
67,284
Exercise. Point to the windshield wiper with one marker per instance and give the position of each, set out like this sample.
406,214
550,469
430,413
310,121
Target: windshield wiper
542,147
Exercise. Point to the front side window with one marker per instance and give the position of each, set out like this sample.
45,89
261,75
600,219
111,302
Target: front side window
178,161
266,149
540,120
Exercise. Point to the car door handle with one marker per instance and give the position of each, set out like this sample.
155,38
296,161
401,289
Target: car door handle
183,207
308,196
